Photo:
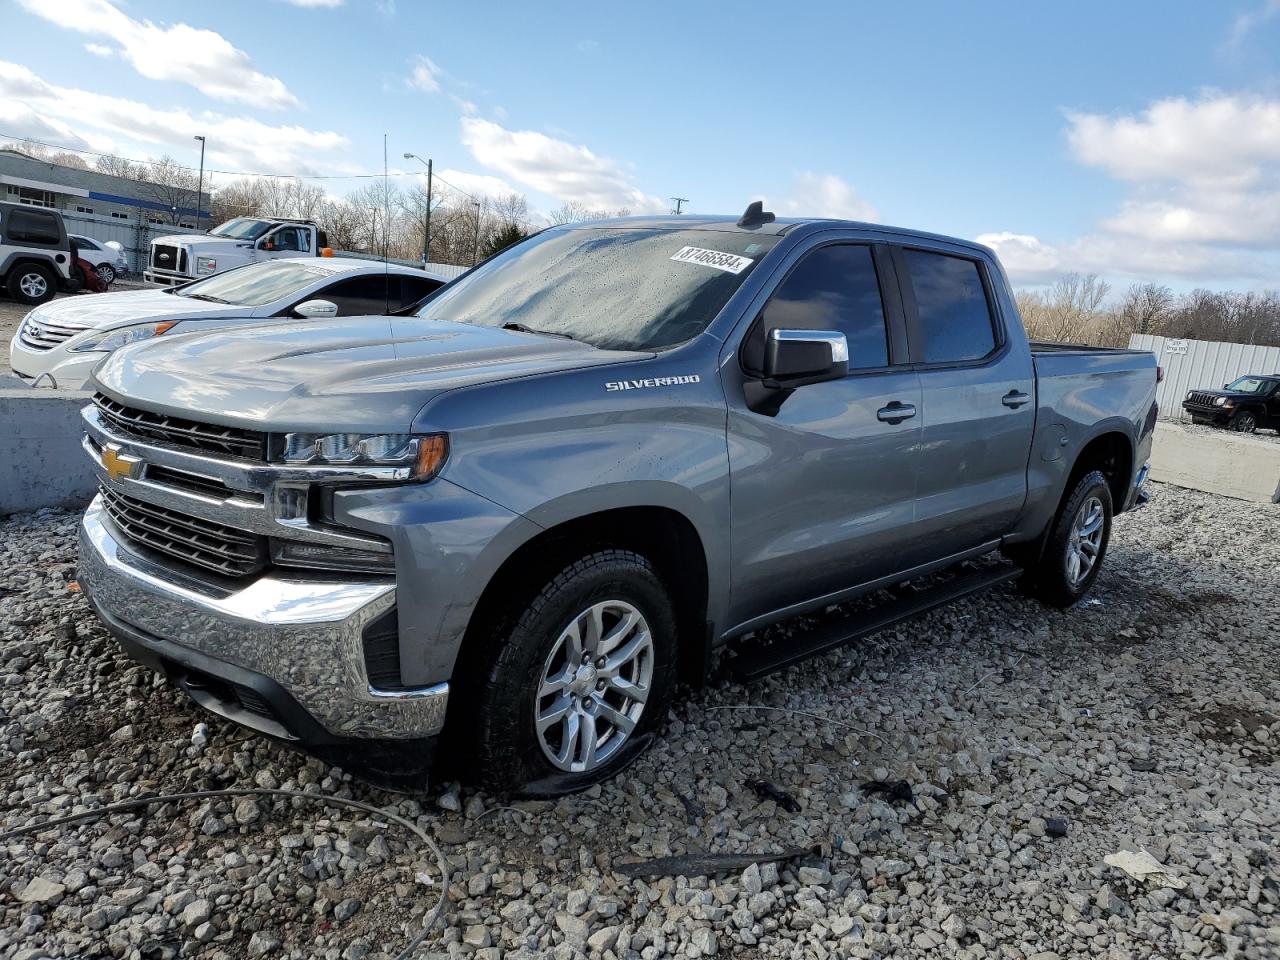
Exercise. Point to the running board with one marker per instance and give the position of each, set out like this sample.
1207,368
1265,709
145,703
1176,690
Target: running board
755,660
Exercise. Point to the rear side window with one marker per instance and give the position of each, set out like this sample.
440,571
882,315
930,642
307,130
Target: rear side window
831,288
362,296
955,316
414,289
32,227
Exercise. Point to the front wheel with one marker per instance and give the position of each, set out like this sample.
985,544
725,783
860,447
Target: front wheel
1244,422
106,273
579,679
32,283
1077,544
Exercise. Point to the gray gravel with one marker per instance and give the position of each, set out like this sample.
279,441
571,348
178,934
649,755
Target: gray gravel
1146,719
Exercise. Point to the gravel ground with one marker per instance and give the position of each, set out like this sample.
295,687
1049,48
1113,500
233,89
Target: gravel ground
1034,743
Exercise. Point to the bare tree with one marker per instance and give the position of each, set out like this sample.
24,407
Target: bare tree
1067,310
120,167
575,212
1145,306
174,186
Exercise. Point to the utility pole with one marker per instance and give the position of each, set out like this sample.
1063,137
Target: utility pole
200,182
475,243
426,230
679,202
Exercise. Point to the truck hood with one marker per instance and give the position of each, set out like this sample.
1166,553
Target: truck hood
130,306
348,374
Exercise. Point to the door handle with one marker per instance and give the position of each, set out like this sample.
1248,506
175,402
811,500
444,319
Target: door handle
895,412
1015,398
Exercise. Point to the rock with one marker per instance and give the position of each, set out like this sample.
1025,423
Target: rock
260,944
41,890
603,939
196,912
477,935
346,909
1055,827
246,811
704,940
451,799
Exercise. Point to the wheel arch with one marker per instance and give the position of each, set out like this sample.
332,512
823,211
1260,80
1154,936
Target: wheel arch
666,537
1111,451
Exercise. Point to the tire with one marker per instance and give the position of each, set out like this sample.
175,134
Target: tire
106,273
534,669
1067,568
1244,421
32,283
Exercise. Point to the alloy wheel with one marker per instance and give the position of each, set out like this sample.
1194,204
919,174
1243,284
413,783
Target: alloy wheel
1085,542
33,285
594,686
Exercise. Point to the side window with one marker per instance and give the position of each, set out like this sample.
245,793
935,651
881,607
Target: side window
290,238
955,316
359,296
832,288
415,288
34,228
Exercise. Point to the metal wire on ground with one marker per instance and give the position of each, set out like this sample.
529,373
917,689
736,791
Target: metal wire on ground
155,799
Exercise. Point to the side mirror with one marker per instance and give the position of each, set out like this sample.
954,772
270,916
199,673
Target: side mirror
793,358
313,309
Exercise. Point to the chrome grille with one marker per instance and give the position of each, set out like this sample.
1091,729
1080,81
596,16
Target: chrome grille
211,546
45,335
1204,399
186,433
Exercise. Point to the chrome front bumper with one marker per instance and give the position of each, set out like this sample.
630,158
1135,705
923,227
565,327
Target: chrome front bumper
304,634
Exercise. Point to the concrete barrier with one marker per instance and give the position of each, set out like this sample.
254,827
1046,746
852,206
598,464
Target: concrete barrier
41,463
1232,464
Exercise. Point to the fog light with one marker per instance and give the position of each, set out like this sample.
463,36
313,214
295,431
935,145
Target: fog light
320,556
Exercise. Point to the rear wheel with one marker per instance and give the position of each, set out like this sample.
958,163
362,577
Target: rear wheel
1077,544
1244,422
578,679
31,283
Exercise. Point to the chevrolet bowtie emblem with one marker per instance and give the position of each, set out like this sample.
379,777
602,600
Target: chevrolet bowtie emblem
119,464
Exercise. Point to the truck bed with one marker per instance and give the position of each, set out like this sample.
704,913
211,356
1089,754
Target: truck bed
1051,346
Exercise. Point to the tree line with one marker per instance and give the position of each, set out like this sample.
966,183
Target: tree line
1078,308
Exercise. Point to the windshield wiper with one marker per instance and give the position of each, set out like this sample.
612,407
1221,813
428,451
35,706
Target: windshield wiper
521,328
205,296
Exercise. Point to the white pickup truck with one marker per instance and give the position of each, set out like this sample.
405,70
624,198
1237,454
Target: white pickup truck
181,257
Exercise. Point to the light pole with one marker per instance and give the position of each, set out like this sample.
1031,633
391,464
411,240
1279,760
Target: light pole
475,243
426,230
200,182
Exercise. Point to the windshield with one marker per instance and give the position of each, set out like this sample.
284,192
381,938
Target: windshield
258,283
241,228
617,288
1250,385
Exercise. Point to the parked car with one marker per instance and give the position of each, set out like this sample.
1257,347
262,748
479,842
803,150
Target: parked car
610,454
35,253
1244,404
189,256
108,258
59,343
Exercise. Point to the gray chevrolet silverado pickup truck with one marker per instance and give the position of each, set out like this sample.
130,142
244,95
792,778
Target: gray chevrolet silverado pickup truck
593,467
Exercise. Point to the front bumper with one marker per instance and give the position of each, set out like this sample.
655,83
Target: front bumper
301,634
56,367
1207,412
166,278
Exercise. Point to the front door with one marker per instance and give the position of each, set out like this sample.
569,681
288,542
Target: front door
823,476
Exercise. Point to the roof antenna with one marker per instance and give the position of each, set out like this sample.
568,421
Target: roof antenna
756,215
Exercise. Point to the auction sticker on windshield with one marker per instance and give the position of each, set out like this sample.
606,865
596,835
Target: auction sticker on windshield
728,262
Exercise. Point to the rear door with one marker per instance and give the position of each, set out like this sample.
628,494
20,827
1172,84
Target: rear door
978,387
822,480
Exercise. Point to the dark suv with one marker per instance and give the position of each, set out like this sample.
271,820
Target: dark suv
1244,404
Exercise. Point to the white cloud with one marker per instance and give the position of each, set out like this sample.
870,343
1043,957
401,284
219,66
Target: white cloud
476,184
177,53
424,75
100,49
21,122
107,123
558,168
826,195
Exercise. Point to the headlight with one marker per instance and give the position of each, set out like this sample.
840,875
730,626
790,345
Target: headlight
206,264
1220,401
115,339
424,454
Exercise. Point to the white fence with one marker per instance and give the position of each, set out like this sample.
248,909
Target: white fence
1201,363
134,235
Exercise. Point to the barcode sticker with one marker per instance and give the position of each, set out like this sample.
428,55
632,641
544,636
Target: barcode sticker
728,262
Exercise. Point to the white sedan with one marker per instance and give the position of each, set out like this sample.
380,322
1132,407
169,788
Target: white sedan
107,258
60,342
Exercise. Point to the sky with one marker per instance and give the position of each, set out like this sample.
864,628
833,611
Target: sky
1137,140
